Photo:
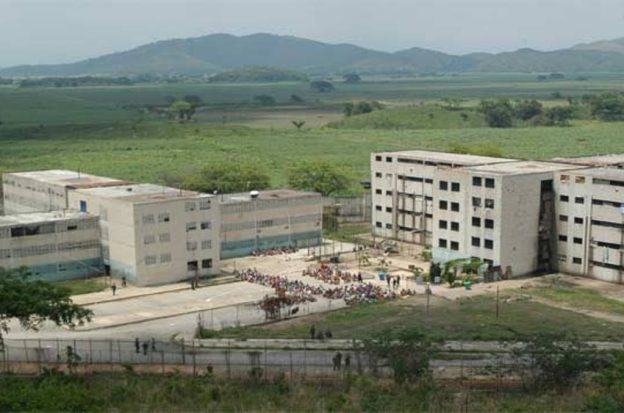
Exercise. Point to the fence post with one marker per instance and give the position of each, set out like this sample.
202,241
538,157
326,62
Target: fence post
183,354
162,361
291,365
110,354
119,351
25,351
194,362
39,354
305,358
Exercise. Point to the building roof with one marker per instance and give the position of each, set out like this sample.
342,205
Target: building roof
612,174
521,168
137,193
611,159
272,194
445,157
41,217
67,178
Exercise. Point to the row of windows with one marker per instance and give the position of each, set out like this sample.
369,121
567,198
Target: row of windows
575,260
151,239
564,218
478,202
577,200
478,181
444,206
487,243
442,224
444,185
45,249
487,223
442,243
576,240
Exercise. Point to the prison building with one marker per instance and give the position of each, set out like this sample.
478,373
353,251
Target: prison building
612,160
269,219
152,234
503,214
590,222
53,246
402,191
43,191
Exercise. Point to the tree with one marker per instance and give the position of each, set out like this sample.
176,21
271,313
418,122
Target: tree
352,78
498,114
558,116
228,177
182,110
194,100
296,99
607,107
35,301
361,107
528,109
452,103
264,100
321,86
298,123
318,176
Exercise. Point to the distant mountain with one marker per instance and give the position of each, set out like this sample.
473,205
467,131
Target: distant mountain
208,55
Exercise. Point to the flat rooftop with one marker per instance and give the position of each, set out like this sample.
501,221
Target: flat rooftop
521,167
611,159
41,217
266,195
142,193
67,178
612,174
446,157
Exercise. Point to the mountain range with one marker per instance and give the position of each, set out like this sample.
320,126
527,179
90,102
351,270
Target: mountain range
215,53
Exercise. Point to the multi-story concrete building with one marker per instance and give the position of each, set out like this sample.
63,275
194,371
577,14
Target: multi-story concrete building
53,246
501,213
152,234
402,191
42,191
269,219
590,222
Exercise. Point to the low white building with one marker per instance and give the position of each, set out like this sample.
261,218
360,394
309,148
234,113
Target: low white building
53,246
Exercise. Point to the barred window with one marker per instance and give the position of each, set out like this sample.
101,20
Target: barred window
164,237
149,239
191,245
163,217
204,204
150,260
206,225
165,258
190,206
148,219
206,244
191,226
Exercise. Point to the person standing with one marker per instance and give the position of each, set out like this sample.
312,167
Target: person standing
312,332
137,345
145,348
114,288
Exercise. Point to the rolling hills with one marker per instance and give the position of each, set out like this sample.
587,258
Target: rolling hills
216,53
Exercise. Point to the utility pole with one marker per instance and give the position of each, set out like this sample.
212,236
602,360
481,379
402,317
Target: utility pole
497,302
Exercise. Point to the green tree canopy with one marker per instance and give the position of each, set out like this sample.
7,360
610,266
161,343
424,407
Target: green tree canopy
318,176
182,109
528,109
352,78
608,106
34,301
498,113
321,86
264,100
228,177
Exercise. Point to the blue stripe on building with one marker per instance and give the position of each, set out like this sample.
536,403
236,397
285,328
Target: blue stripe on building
246,247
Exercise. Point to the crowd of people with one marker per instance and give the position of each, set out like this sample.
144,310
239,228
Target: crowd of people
273,251
350,293
331,275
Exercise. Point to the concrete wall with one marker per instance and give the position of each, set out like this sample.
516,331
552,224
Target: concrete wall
24,195
66,249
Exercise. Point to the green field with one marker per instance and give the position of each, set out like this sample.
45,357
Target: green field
465,319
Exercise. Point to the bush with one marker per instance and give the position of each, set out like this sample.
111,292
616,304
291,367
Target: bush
607,107
320,176
227,177
498,114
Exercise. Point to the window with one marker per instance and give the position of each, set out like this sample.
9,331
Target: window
563,218
455,206
563,238
378,208
455,186
389,193
476,242
191,226
579,200
388,226
191,245
578,220
455,245
442,224
388,159
489,182
164,237
428,180
489,203
204,204
165,257
579,179
476,221
577,260
564,179
444,205
378,158
476,202
72,227
443,185
389,209
205,225
207,263
564,198
149,239
578,240
442,243
455,226
476,181
191,266
163,217
378,175
148,219
378,191
378,224
190,206
488,244
206,244
562,258
83,206
489,223
150,260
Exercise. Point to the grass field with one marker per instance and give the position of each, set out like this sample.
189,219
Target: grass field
83,286
464,319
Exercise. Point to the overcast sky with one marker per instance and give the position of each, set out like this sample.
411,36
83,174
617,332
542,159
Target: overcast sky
57,31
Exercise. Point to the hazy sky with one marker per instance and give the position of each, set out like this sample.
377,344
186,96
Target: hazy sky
56,31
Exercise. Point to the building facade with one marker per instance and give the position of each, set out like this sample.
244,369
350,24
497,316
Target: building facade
152,234
402,191
269,219
54,246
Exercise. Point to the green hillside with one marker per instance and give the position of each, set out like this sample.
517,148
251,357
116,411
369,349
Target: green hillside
259,74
